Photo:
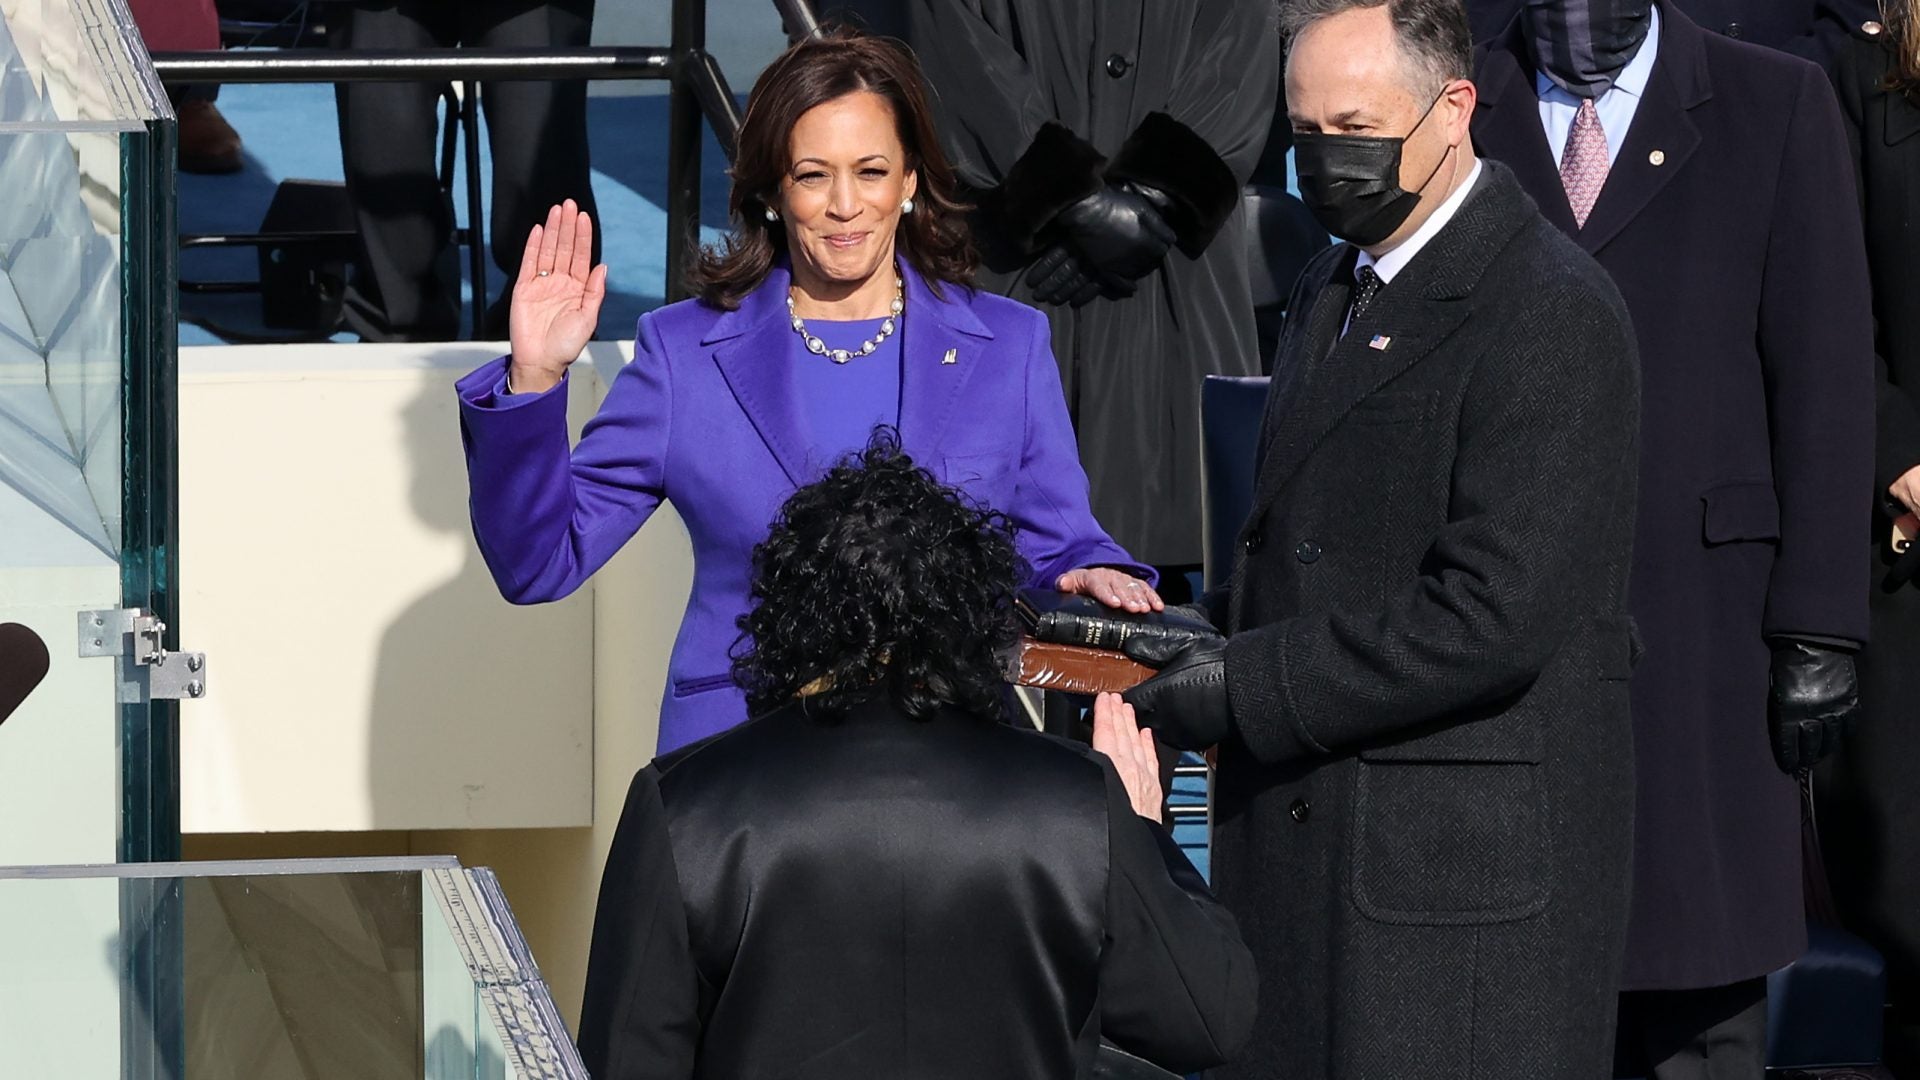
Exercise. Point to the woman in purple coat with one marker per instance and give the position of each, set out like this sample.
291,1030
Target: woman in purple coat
842,300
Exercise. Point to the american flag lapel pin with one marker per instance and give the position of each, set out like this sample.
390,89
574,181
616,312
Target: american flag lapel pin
1379,343
952,357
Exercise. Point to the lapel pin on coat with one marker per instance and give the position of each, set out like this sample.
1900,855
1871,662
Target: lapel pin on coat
1379,343
952,357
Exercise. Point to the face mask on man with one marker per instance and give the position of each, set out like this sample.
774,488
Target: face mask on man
1583,45
1352,182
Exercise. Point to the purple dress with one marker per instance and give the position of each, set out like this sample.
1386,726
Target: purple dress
711,416
842,402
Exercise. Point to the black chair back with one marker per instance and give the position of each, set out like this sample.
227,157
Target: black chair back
1230,411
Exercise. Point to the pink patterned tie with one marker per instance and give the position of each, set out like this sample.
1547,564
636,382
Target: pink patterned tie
1583,167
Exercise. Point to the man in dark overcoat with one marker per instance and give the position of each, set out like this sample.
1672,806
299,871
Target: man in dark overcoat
1424,790
1106,143
1815,29
1714,186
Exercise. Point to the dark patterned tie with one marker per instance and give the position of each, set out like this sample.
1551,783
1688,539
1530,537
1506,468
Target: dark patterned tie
1367,285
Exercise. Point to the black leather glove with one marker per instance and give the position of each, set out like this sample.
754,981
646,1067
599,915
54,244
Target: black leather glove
1186,704
1196,612
1119,231
1062,277
1815,698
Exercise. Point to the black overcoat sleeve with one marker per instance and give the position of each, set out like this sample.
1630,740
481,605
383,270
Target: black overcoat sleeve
1177,985
996,120
1816,353
1896,420
1548,427
640,1017
1202,144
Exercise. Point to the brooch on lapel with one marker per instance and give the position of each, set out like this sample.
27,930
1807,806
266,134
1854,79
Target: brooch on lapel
952,357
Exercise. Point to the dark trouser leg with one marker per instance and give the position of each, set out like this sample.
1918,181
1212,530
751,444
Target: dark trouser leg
1719,1033
537,131
389,151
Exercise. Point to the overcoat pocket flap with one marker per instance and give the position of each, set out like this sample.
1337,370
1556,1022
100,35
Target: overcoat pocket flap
1511,736
1743,510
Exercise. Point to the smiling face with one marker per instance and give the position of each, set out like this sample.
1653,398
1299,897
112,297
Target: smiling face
841,196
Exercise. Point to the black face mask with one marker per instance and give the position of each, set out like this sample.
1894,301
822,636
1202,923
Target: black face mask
1352,182
1583,45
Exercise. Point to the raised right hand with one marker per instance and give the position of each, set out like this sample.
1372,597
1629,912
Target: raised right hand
1131,750
556,301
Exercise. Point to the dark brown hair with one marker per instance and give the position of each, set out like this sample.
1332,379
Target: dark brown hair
933,239
1433,33
1902,35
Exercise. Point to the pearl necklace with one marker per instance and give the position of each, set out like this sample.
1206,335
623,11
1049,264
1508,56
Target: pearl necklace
841,356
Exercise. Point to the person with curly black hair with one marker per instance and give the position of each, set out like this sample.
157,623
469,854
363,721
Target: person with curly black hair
875,876
879,581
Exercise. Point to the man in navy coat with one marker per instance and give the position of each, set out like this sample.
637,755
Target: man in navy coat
1710,178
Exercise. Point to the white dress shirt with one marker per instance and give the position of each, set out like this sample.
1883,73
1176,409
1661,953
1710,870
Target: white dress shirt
1392,262
1616,107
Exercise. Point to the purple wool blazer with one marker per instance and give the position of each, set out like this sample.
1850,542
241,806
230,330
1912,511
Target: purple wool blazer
707,416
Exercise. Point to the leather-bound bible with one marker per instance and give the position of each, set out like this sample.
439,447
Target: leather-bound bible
1073,669
1081,620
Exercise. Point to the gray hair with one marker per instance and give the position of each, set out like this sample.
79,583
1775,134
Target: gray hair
1433,34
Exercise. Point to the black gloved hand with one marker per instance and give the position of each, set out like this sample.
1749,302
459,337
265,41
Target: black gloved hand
1062,277
1186,704
1815,698
1119,231
1197,612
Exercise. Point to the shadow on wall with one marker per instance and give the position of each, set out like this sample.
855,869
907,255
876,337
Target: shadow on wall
459,673
550,874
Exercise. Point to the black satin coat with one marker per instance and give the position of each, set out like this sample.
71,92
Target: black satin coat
1729,224
881,897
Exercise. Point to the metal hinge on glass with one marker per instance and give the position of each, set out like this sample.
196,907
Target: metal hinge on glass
148,672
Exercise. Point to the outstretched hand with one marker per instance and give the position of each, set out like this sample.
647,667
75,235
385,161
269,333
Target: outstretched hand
1131,750
1114,588
556,300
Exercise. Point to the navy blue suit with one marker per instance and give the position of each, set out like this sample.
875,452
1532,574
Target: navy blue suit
1729,223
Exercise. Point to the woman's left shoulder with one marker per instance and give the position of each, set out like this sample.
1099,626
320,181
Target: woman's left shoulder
1002,316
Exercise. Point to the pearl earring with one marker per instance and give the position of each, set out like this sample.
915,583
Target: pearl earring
772,214
907,207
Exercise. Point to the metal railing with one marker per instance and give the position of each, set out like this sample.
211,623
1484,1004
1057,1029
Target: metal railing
699,92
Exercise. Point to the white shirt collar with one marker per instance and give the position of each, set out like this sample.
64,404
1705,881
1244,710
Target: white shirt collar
1632,79
1396,260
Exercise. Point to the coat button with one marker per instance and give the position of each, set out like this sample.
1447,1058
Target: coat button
1734,31
1307,552
1253,542
1300,810
1118,65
